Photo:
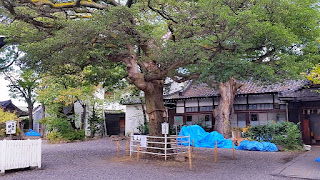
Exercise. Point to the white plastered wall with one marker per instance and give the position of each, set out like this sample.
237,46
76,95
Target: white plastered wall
134,117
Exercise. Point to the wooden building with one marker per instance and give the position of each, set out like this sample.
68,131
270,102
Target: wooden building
254,104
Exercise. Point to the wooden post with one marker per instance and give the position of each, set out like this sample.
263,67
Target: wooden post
234,151
190,160
215,152
118,149
127,147
192,145
138,152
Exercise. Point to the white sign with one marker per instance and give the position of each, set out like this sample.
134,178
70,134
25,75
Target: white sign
11,127
143,142
165,128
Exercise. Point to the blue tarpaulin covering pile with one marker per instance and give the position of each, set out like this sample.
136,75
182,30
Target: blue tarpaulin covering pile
257,146
317,160
204,139
32,133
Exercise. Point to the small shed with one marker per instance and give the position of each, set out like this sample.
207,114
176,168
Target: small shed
115,122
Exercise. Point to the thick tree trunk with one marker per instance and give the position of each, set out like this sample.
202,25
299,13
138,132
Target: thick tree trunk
223,112
154,106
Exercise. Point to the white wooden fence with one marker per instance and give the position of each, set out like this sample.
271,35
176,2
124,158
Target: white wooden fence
15,154
178,144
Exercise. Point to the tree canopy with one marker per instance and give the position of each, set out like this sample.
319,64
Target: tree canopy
147,41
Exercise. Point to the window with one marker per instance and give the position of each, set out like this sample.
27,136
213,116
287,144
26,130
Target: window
208,121
254,117
189,120
191,109
240,107
252,106
206,108
254,121
261,106
265,106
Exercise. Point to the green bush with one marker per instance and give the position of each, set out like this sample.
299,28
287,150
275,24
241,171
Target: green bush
286,134
60,129
74,135
54,136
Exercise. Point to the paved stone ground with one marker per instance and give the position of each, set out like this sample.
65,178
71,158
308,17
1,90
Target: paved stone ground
97,160
303,166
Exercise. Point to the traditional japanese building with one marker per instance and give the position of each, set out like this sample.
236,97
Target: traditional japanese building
254,104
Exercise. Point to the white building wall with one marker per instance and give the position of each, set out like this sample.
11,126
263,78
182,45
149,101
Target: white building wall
192,103
206,102
134,117
240,100
262,98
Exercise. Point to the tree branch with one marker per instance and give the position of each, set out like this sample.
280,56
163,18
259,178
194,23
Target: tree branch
184,78
77,3
129,3
161,13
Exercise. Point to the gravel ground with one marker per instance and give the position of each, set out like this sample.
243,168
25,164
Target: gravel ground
96,159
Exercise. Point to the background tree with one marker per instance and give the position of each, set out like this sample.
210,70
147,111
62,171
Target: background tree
266,41
153,40
64,91
23,86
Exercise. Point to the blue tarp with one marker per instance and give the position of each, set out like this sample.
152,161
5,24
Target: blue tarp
257,146
204,139
32,133
317,160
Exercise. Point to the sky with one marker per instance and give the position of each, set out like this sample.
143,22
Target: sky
4,93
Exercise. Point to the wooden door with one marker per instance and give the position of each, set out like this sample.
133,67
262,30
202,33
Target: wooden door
306,131
122,125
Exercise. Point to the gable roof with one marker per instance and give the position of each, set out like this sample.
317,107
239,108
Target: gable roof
202,90
8,105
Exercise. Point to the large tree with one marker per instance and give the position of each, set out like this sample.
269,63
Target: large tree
152,40
23,85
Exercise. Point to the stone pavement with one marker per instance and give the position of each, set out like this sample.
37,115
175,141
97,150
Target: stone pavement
303,166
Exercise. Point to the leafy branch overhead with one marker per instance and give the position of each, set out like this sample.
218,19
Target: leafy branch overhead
149,40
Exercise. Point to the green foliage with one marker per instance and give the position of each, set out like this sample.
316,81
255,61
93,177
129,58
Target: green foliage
143,128
54,136
95,122
74,135
286,134
60,129
23,84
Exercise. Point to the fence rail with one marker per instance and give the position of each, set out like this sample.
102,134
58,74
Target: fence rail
15,154
141,144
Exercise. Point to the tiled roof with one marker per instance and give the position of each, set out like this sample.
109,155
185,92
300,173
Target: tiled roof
5,103
248,87
9,102
305,94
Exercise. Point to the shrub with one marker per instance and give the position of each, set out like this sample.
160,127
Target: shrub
54,136
74,135
286,134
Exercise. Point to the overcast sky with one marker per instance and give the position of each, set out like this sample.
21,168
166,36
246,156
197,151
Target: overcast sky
4,93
